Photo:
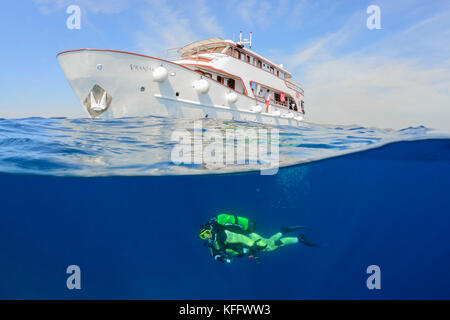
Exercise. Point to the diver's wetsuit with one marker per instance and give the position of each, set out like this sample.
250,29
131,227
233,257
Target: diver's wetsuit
236,243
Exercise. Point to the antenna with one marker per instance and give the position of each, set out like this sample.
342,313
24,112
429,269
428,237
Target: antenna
245,41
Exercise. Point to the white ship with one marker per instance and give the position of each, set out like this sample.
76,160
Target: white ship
212,78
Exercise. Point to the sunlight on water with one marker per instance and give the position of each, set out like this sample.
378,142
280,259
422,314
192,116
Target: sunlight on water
143,146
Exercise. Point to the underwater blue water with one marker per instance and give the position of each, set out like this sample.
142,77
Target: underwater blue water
91,193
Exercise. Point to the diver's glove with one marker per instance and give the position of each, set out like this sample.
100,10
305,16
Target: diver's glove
223,259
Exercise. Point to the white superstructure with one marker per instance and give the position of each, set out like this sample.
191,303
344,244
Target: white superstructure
212,78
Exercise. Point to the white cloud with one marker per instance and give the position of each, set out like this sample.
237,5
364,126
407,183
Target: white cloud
87,7
206,19
167,26
375,91
164,24
255,13
309,52
396,81
263,14
96,6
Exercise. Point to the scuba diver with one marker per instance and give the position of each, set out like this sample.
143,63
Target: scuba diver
229,236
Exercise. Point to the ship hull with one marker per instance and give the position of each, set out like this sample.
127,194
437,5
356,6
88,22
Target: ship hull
120,84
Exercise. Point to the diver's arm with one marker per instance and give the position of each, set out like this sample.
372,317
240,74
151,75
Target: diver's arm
222,258
219,255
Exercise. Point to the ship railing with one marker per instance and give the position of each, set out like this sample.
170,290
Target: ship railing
276,103
174,54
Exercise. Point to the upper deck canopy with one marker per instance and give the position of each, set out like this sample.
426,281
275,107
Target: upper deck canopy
192,48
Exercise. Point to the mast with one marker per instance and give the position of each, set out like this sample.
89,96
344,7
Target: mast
243,42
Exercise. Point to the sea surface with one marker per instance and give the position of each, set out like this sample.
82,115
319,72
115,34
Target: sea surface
107,196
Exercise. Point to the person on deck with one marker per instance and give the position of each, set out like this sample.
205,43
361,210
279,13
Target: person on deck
267,98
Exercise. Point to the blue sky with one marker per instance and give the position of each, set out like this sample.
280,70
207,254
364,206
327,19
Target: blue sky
393,77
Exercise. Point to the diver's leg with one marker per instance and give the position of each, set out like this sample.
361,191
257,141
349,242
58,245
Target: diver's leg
273,242
276,236
260,242
277,240
281,242
287,240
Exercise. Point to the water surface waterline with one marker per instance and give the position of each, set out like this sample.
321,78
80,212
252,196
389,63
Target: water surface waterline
144,146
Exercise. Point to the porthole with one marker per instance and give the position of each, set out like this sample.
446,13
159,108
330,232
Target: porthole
142,89
177,94
99,67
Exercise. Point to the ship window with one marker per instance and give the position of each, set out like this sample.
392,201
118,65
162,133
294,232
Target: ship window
292,104
253,86
276,97
259,64
206,74
230,83
278,73
248,59
220,79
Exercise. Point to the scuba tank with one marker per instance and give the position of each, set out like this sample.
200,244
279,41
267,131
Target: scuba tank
234,223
